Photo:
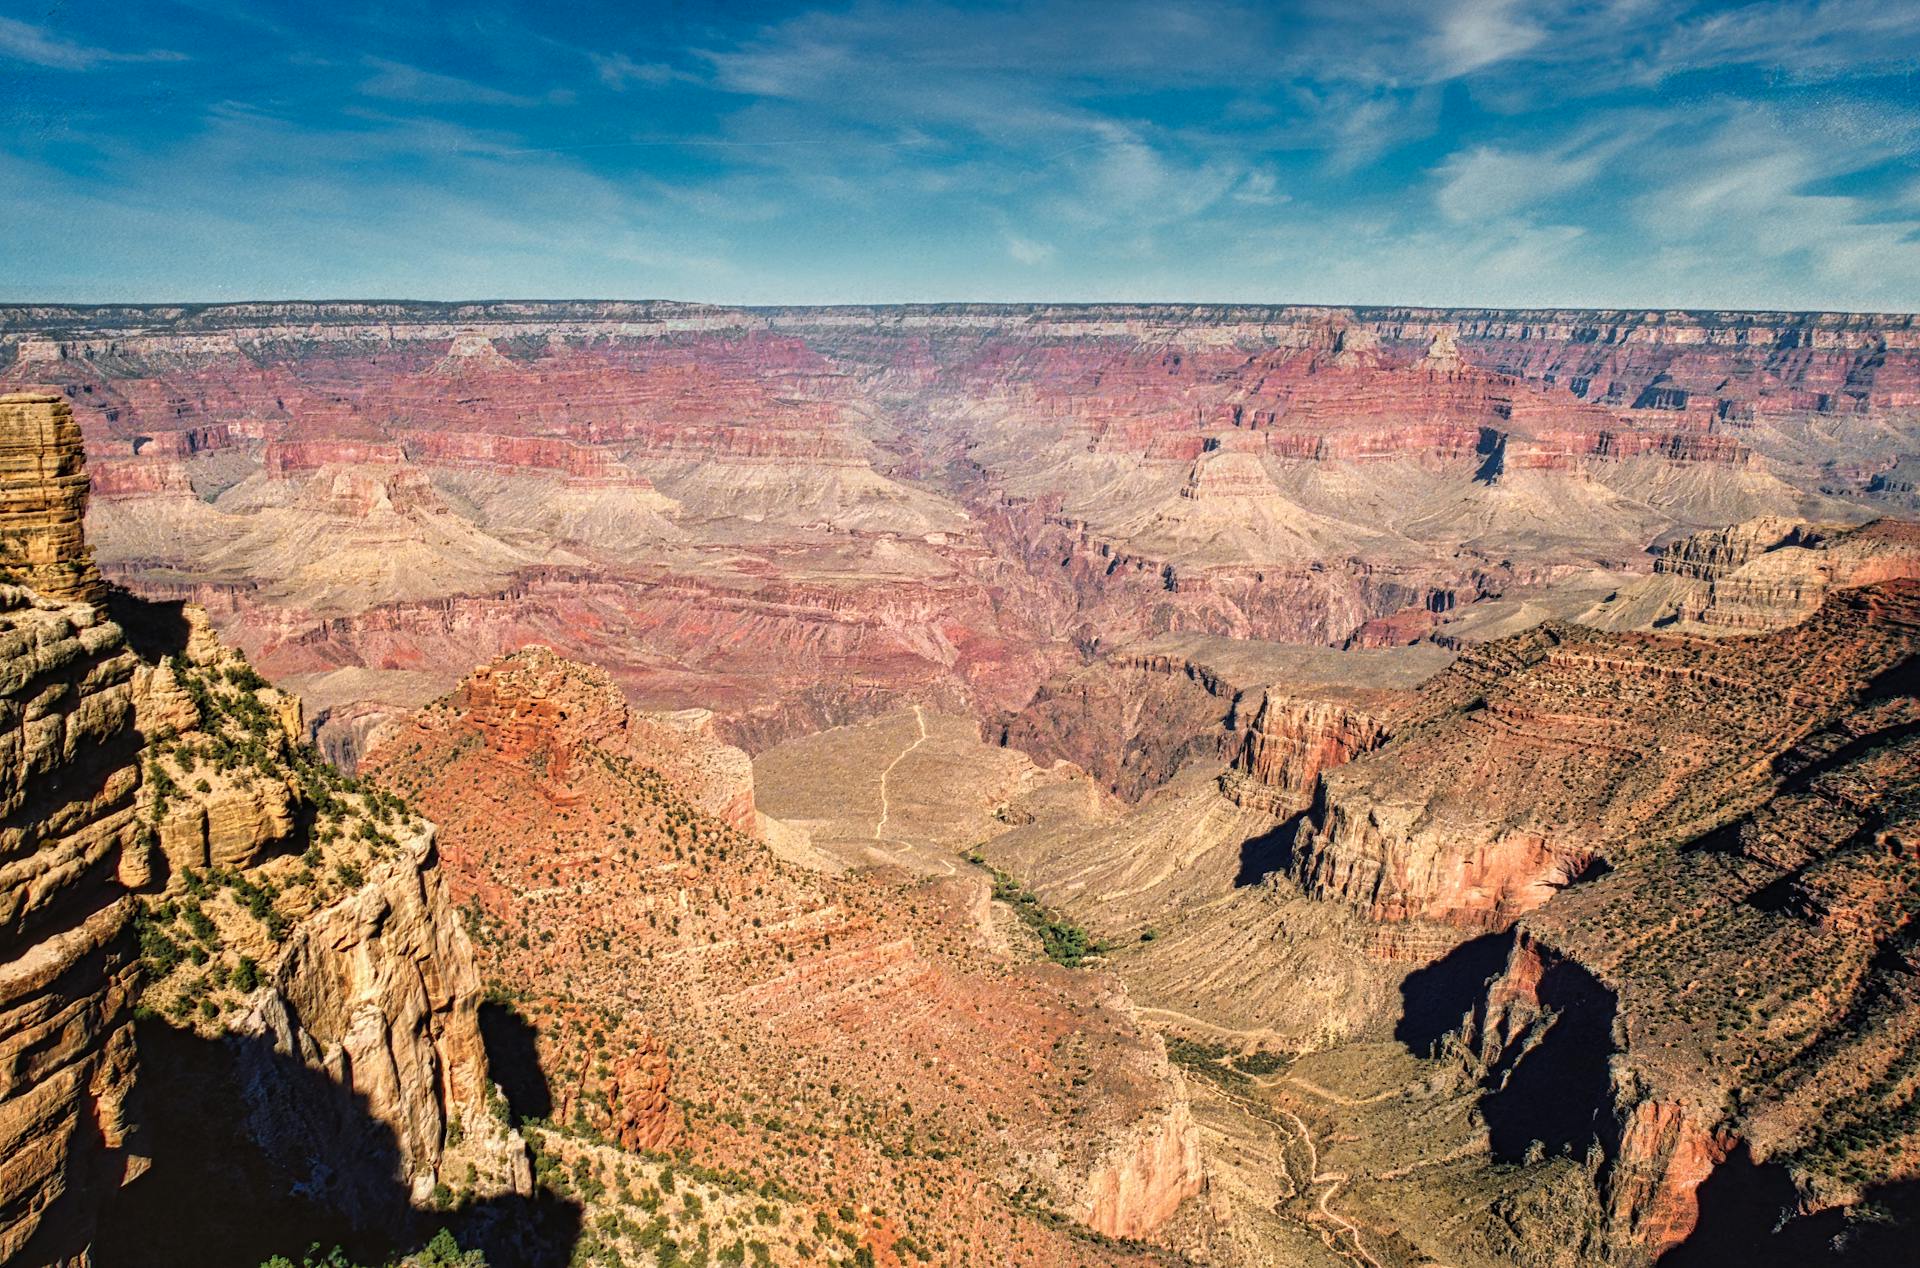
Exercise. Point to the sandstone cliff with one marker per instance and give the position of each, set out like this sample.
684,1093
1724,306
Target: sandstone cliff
287,922
68,972
43,499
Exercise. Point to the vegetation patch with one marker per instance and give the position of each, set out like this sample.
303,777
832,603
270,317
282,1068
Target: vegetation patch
1065,942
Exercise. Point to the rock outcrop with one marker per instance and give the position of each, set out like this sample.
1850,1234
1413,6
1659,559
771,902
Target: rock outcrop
305,986
379,991
68,971
1293,739
1535,761
43,499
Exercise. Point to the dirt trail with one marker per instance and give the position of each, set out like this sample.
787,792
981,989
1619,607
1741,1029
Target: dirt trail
1341,1226
880,828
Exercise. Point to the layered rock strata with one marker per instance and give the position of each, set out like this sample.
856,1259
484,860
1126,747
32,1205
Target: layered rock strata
43,499
296,954
68,971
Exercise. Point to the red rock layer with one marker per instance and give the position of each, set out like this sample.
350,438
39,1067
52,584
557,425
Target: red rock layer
603,894
1534,756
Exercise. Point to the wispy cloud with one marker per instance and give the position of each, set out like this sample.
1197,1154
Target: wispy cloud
24,42
620,72
397,81
1471,34
1028,252
1488,181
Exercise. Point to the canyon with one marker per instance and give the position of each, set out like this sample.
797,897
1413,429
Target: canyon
963,784
802,517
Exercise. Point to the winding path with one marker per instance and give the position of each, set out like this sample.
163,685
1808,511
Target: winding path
1331,1179
880,828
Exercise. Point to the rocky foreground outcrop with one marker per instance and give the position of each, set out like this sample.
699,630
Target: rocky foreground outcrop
68,971
307,1052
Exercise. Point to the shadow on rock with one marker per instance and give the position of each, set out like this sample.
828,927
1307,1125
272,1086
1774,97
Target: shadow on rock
1435,1000
514,1058
1554,1088
1270,852
154,629
255,1154
1748,1216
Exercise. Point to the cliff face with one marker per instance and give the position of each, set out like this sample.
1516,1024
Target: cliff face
68,972
379,991
1293,739
799,518
1536,761
287,922
1688,1037
43,499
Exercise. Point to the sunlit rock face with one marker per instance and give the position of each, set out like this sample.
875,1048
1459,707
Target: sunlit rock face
147,771
43,498
798,518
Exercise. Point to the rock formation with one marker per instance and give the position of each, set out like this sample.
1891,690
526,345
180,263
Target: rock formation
285,921
43,499
1558,957
69,767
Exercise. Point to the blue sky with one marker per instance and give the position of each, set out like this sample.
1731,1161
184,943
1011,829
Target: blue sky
1621,152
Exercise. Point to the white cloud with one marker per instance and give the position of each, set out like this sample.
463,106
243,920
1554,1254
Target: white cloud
1487,182
397,81
1260,188
1027,251
1477,33
619,72
24,42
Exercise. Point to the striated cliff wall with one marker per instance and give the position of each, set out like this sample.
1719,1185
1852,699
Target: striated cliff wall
43,499
1293,739
305,995
68,973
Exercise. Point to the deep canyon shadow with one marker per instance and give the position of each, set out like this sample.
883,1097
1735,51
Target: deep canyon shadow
1272,851
1555,1089
1435,1000
514,1058
256,1154
1748,1217
155,629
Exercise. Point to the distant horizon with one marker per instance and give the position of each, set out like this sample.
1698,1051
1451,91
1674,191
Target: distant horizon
1667,155
855,305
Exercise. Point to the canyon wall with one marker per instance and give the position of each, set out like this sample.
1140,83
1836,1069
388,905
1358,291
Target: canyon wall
802,517
69,766
303,984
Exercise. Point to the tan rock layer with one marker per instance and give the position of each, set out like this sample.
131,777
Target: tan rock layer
67,971
43,499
